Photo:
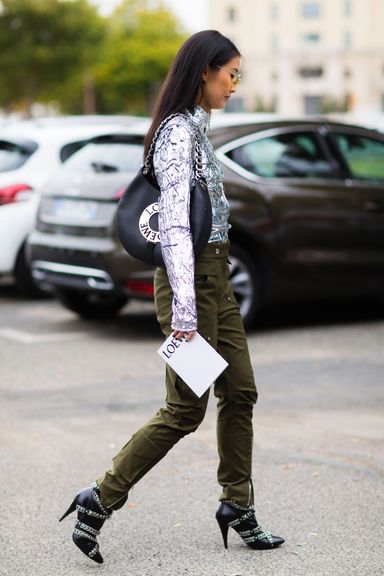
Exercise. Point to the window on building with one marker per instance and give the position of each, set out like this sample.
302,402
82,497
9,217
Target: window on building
232,14
364,156
274,11
347,39
274,43
311,72
310,9
347,7
286,155
312,104
311,38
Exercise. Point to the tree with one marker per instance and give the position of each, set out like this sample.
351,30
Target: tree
46,47
141,43
330,104
63,51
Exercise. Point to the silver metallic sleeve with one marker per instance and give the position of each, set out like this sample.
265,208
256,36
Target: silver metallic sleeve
173,165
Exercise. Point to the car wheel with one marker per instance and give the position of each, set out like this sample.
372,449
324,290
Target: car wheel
25,284
90,305
245,284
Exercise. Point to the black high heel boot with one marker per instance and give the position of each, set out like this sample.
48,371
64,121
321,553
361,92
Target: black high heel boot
91,515
243,520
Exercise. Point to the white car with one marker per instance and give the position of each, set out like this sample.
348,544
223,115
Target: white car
30,152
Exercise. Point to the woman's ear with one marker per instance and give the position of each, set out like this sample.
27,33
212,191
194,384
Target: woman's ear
205,75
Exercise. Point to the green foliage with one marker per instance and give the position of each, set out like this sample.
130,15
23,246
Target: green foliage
262,106
330,104
138,50
44,44
49,48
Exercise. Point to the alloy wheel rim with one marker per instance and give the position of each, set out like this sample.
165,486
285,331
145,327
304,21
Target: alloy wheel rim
242,284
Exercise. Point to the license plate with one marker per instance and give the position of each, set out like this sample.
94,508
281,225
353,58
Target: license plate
75,210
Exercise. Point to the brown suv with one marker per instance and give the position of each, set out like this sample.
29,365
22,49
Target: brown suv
307,216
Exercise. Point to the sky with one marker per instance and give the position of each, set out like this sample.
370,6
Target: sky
193,14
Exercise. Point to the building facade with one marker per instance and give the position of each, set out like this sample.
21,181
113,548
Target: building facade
306,57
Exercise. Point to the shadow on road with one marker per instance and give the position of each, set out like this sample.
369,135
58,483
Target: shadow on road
138,319
324,313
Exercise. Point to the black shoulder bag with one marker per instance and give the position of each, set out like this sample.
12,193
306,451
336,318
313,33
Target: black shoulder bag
138,210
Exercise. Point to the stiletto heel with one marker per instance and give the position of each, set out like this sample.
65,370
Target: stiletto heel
224,530
91,516
71,509
243,521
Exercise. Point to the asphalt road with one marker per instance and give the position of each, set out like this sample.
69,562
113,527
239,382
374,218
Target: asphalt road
72,392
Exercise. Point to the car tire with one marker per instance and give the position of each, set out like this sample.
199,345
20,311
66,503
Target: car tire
245,283
25,284
89,305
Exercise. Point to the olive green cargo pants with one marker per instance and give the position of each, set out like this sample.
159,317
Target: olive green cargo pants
220,323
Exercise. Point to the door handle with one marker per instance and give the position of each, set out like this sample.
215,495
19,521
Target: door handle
373,206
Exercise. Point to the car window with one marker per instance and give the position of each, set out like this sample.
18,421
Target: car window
292,155
13,155
363,156
69,149
107,157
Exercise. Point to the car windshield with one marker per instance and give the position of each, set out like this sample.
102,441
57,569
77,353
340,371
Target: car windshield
13,156
107,157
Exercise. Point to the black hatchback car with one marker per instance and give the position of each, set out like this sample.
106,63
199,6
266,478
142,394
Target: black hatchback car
307,216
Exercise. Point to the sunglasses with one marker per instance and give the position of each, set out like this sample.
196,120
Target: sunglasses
236,76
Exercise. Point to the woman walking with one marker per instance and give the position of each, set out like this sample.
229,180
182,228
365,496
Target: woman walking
190,293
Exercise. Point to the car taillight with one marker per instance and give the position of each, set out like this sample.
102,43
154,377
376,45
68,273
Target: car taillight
14,193
140,287
120,192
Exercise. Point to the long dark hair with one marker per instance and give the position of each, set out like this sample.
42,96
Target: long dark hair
181,87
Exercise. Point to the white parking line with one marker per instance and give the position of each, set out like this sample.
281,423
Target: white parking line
28,338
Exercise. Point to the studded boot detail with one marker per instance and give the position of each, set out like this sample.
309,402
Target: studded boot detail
91,516
243,520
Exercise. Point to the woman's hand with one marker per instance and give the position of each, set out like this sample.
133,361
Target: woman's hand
187,335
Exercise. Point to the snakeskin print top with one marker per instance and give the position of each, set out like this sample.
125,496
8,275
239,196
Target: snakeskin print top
173,163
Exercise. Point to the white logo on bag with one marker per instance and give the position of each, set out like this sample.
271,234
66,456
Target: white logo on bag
149,233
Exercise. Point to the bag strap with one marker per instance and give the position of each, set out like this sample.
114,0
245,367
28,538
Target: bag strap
198,155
